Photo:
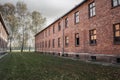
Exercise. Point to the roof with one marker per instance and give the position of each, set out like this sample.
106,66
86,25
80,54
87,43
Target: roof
2,21
64,15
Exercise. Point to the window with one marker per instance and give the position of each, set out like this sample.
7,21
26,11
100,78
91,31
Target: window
66,41
118,60
76,17
40,45
93,58
53,29
49,32
77,42
53,43
59,26
49,43
46,33
93,36
45,44
92,9
58,42
66,22
115,3
43,34
117,33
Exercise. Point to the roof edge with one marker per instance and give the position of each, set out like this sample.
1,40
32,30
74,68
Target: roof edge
2,21
63,15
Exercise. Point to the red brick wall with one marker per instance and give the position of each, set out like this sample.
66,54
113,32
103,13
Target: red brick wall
103,22
3,38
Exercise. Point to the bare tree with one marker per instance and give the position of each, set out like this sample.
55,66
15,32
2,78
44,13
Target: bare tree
23,24
38,21
21,10
8,12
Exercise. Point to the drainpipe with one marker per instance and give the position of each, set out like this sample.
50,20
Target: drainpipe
63,36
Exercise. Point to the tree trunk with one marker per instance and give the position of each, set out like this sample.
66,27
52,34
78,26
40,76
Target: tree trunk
11,41
22,47
29,48
10,45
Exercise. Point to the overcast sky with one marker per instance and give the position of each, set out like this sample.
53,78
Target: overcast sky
51,9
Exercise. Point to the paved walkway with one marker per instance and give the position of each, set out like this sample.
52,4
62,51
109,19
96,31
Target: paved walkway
94,62
1,56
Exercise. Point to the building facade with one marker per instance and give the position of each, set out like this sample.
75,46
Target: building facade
3,36
91,31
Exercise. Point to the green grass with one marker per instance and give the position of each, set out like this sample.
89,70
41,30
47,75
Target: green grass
31,66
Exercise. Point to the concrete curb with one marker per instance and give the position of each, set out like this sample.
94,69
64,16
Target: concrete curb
3,55
93,62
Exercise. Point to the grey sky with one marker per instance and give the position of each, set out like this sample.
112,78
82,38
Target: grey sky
51,9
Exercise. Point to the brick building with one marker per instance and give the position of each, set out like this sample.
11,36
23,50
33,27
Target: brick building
91,30
3,36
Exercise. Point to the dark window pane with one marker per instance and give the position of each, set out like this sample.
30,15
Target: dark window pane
53,43
53,29
58,42
117,39
66,22
59,26
49,43
77,39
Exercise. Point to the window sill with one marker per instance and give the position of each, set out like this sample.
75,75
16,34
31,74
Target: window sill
93,44
77,45
115,6
66,45
92,17
66,27
116,43
77,23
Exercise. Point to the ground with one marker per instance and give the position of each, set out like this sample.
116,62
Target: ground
32,66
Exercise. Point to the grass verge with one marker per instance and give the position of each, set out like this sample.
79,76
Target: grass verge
31,66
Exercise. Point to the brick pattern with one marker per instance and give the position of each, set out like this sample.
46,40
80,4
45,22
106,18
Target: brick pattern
103,22
3,36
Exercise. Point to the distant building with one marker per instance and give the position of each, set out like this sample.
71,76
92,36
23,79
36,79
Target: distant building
89,31
3,36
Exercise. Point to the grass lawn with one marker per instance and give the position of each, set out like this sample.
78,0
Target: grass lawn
31,66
